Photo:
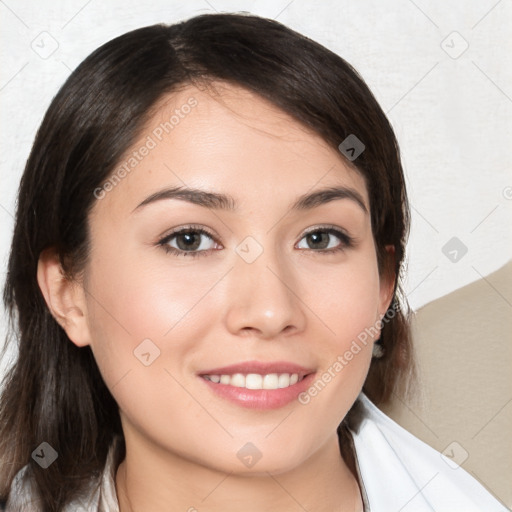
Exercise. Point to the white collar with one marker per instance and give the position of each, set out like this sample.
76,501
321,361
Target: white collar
399,472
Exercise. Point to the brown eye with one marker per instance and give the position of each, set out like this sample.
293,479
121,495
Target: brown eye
188,242
319,239
324,240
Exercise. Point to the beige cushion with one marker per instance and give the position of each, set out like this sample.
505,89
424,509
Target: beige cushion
463,345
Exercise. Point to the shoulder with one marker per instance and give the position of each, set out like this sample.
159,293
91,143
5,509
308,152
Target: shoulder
23,494
98,495
405,473
24,497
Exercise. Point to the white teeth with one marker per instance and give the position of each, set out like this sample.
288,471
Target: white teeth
256,381
238,380
284,380
270,381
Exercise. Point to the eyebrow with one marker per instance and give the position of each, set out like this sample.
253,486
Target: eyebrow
218,201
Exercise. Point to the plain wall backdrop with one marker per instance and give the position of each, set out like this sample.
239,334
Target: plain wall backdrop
440,70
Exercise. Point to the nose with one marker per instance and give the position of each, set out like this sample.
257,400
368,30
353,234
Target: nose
265,297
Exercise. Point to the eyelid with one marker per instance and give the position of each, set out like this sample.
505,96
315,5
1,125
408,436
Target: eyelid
325,227
338,231
163,240
346,241
188,227
202,229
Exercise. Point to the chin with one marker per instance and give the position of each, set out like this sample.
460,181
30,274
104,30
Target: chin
249,461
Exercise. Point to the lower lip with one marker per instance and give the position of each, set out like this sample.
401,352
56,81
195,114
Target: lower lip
260,398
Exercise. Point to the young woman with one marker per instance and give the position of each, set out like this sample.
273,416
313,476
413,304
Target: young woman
205,278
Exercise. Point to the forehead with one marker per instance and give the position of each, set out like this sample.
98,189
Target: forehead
227,139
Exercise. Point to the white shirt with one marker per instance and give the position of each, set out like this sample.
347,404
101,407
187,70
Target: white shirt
397,472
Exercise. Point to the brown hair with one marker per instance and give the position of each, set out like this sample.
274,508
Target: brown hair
54,391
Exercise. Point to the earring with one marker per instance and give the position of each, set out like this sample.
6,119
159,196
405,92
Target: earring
378,349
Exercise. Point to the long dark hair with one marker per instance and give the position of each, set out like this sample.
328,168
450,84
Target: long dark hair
54,391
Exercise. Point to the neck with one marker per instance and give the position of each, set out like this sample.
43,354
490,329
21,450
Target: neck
148,482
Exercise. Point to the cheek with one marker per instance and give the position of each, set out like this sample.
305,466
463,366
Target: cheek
135,296
136,307
164,310
347,299
138,320
349,309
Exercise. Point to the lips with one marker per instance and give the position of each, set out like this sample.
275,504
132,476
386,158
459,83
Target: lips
261,368
258,385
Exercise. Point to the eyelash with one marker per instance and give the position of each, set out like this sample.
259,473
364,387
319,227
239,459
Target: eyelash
346,241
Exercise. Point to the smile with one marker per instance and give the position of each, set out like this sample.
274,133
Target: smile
258,385
255,380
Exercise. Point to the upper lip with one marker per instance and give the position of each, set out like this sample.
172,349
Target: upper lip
259,367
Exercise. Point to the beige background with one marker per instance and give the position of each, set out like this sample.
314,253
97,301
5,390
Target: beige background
464,393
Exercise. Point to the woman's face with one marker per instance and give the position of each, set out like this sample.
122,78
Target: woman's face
172,318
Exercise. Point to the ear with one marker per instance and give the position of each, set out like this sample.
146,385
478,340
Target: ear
387,280
65,298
